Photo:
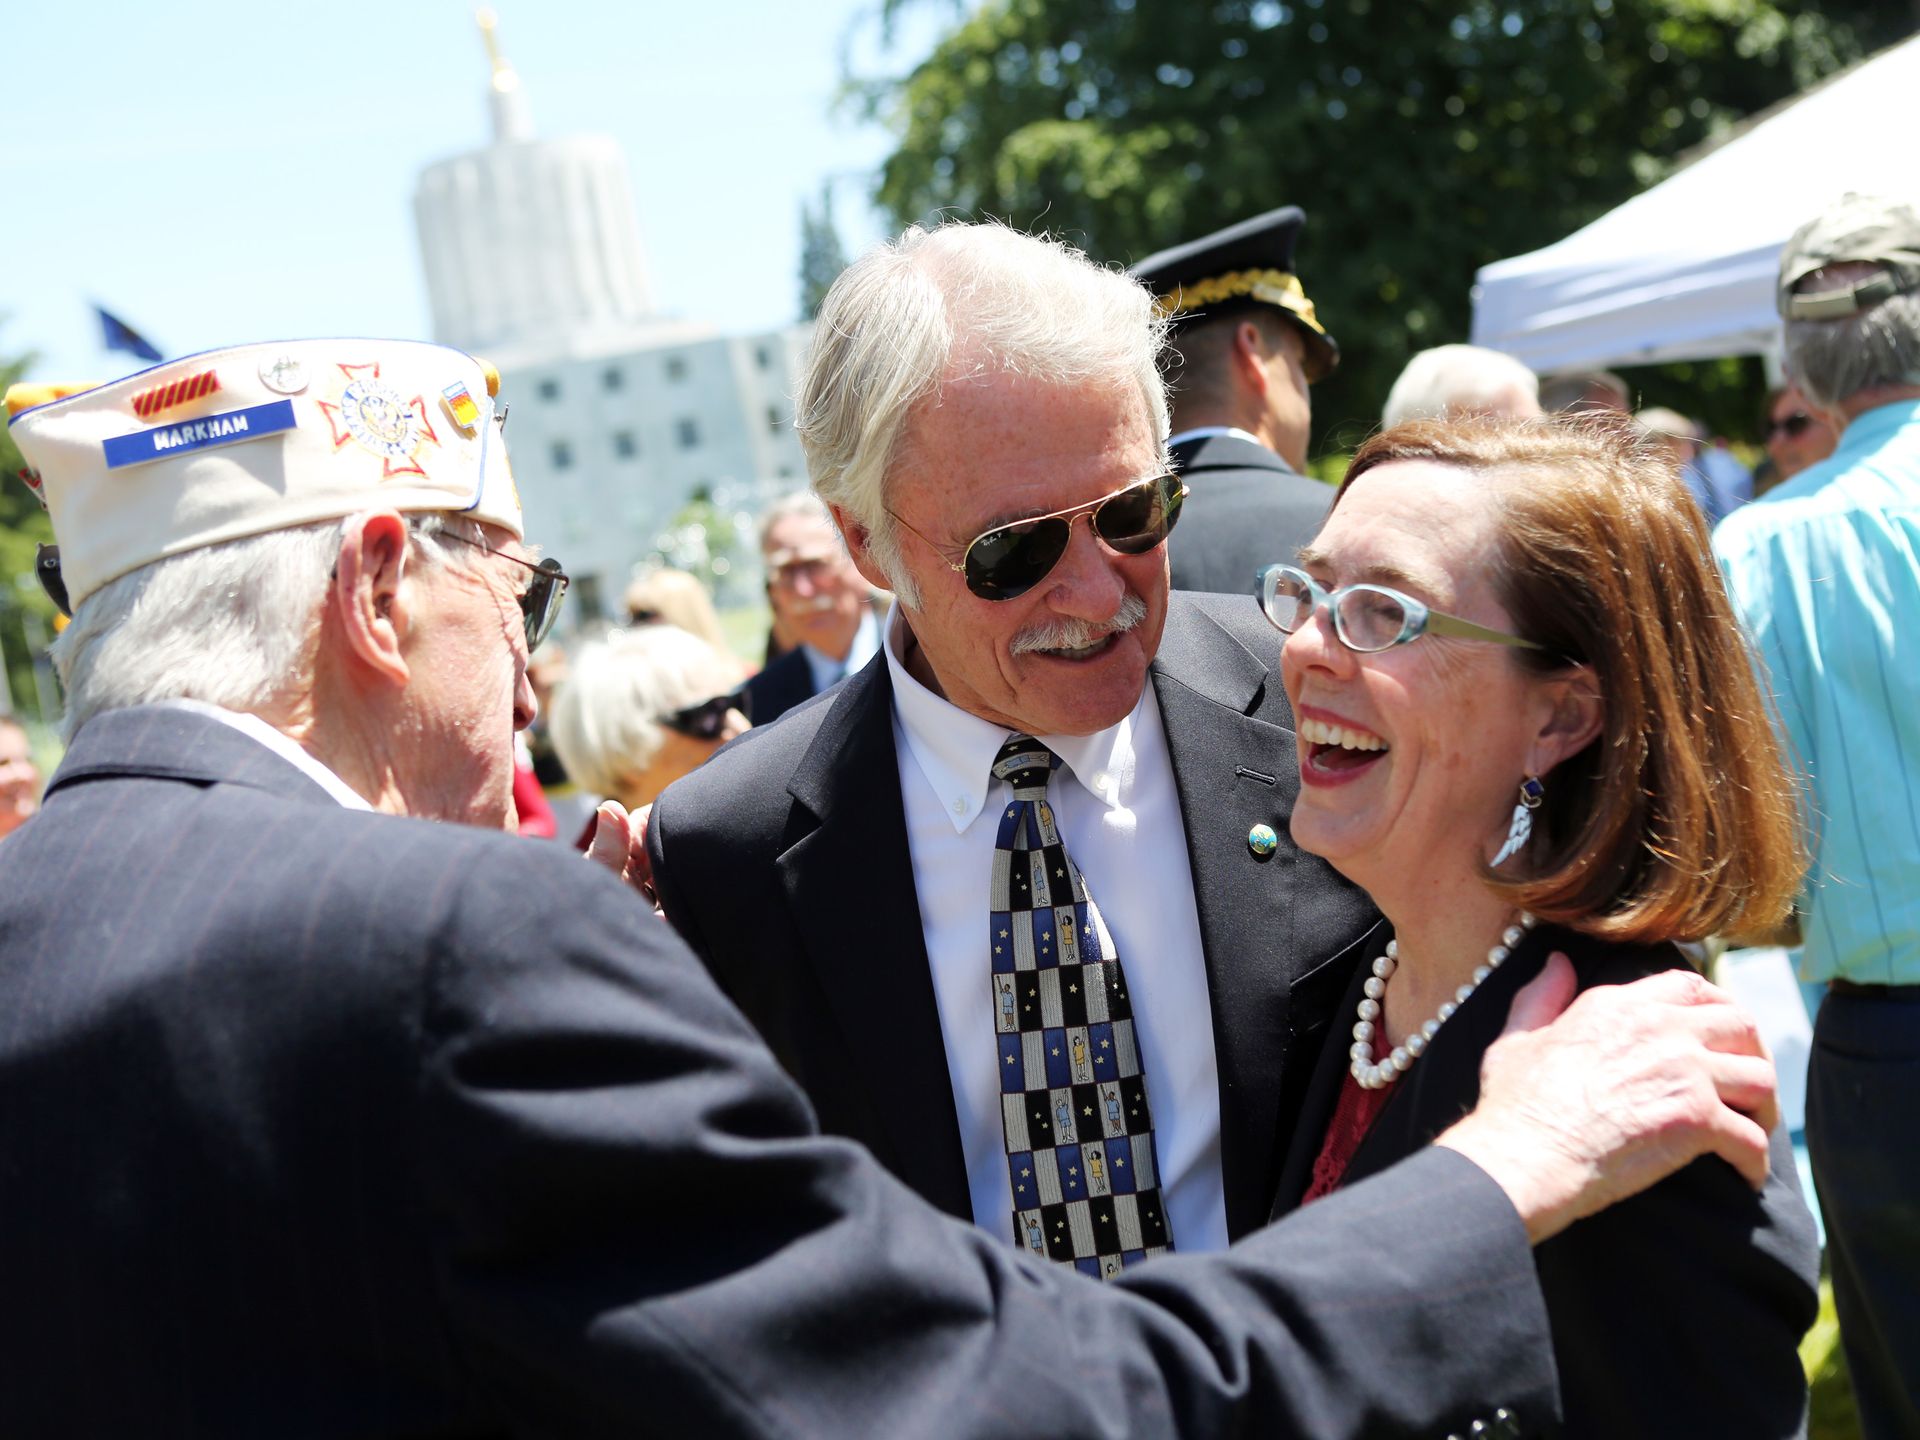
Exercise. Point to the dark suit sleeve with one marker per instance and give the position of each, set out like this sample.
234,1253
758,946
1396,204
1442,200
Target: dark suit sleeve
1679,1313
673,904
640,1233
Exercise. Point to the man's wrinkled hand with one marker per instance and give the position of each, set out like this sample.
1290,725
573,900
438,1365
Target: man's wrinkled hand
620,843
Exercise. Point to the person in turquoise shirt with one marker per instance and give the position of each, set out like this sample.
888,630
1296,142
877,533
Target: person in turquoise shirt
1825,571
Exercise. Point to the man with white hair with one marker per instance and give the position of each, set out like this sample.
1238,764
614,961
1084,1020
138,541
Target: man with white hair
328,1122
1018,905
1824,571
1461,380
984,415
821,599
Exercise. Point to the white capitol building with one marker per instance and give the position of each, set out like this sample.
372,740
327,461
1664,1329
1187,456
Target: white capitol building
618,416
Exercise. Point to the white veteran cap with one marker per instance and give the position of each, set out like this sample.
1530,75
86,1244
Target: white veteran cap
260,437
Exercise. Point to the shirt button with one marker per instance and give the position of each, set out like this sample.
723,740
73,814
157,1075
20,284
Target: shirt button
960,807
1102,781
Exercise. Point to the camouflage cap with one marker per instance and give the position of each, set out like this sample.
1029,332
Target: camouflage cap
1860,228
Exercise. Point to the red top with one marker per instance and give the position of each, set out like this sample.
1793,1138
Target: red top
535,815
1353,1117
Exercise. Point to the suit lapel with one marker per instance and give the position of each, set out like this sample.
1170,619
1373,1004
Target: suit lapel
848,876
1233,771
1323,1087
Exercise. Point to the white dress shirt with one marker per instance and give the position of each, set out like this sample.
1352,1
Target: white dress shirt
1118,813
295,755
1207,432
865,645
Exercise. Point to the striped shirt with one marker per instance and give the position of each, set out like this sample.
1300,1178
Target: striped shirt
1825,571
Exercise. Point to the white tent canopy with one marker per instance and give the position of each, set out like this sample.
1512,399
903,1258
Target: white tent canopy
1685,271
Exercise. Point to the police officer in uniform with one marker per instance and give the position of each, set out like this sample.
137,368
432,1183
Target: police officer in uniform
1248,345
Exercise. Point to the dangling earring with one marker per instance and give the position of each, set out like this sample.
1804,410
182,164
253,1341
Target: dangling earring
1532,792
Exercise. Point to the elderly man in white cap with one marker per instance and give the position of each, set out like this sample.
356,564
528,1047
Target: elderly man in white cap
320,1121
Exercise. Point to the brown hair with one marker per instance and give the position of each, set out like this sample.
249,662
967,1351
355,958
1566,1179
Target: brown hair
1680,820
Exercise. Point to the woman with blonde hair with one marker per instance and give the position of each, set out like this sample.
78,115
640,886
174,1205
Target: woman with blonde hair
642,708
676,598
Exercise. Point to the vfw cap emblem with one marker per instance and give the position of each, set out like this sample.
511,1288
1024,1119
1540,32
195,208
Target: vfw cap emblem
373,415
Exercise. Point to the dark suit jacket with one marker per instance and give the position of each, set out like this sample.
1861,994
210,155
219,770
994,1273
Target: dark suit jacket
779,686
787,681
784,863
1676,1313
321,1123
1245,509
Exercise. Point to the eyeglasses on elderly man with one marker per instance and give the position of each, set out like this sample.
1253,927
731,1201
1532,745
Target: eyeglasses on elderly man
540,600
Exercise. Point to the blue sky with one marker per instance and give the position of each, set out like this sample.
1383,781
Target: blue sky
215,171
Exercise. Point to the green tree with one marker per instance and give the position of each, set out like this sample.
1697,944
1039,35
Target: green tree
1424,138
25,612
822,257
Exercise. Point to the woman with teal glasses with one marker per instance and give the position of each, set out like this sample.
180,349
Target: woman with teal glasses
1527,724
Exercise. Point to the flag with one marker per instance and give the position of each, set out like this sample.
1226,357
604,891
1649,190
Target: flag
116,334
460,405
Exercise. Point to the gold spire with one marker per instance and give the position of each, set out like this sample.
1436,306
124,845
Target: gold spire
506,98
489,23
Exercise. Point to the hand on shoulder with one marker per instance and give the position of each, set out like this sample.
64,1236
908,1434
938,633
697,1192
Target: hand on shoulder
1583,1104
619,842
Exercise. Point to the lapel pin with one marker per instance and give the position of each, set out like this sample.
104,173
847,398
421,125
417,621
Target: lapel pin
1262,841
460,406
284,375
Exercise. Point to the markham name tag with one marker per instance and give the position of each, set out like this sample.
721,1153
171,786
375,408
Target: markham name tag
225,429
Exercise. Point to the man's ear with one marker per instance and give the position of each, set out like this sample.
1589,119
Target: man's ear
1573,714
366,596
860,547
1250,357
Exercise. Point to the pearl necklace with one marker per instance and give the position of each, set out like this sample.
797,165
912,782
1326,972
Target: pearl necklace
1376,1077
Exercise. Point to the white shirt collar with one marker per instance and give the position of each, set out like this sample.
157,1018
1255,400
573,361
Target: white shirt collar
954,749
1207,432
286,748
827,670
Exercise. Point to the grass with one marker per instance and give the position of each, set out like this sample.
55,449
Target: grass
1831,1413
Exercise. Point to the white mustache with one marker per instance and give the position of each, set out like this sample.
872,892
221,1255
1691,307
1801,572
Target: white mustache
1070,634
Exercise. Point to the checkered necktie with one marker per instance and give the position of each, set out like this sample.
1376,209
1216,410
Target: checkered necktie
1073,1094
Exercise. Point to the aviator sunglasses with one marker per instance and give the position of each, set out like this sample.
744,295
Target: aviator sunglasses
1009,560
540,601
706,720
1790,426
1366,618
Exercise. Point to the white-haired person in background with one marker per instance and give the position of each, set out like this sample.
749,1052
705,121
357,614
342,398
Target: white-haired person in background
1451,380
642,708
826,617
1720,483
